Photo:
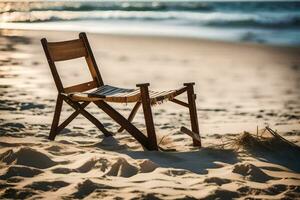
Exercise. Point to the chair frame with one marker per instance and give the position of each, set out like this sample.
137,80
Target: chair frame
66,50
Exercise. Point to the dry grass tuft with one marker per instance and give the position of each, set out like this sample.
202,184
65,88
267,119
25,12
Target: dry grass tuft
267,140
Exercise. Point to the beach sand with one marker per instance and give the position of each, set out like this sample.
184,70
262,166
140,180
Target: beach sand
240,87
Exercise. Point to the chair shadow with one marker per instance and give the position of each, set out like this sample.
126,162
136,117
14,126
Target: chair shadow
208,158
289,158
196,161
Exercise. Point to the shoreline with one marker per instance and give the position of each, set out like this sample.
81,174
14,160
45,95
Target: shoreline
175,37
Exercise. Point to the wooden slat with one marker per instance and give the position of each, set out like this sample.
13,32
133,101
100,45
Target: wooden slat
122,95
81,87
67,50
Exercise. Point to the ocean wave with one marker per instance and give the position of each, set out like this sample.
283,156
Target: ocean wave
261,20
150,5
265,20
102,6
292,22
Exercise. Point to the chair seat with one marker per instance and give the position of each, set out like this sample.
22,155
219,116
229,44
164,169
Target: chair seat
121,95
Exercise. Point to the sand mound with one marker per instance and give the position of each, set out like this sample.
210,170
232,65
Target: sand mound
147,166
54,148
122,168
87,166
251,172
28,157
20,171
222,194
87,187
217,180
47,185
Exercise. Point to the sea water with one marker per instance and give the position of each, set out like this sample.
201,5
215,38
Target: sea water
270,22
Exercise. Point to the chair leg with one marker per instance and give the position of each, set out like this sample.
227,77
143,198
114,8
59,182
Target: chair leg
53,131
71,117
145,98
193,111
122,121
77,106
132,114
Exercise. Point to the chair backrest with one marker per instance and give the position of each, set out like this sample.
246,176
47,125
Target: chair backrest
71,49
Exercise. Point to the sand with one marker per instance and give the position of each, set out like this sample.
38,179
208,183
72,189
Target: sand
239,87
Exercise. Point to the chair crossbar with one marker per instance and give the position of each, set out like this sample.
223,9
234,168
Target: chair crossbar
71,117
77,106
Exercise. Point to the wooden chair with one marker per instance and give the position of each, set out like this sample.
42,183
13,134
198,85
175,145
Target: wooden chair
95,91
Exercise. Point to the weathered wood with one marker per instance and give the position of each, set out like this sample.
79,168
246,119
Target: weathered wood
86,114
55,122
190,133
116,116
132,114
193,111
81,87
119,95
70,118
52,66
91,62
180,102
67,50
146,103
